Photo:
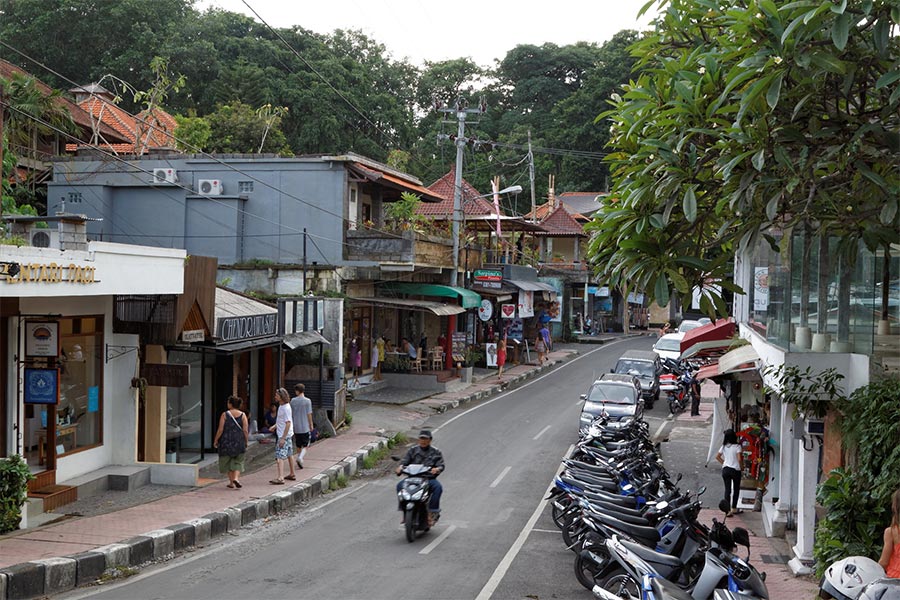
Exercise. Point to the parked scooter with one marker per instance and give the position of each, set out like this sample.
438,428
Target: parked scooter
413,497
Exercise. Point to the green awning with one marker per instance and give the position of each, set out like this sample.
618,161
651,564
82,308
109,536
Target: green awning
468,298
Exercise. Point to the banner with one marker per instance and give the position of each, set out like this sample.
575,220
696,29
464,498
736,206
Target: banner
526,304
508,311
491,355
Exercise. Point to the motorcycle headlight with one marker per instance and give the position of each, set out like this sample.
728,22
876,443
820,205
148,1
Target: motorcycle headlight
403,495
417,495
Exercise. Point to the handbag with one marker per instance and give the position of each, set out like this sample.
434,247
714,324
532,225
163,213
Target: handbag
232,442
313,435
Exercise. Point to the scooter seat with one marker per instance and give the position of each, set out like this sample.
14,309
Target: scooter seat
613,511
652,556
626,501
603,505
640,533
663,588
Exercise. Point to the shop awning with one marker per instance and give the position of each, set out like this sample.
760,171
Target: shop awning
467,298
274,340
304,338
740,363
436,308
719,332
531,286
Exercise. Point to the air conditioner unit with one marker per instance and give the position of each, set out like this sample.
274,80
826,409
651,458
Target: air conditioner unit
211,187
165,176
43,238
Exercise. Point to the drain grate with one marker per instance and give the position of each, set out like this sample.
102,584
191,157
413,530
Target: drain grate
774,559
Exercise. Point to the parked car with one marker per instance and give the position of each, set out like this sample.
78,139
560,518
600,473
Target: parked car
687,325
669,346
646,366
618,395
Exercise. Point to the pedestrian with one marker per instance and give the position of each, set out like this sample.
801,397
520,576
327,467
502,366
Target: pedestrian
890,556
378,356
231,441
548,341
540,347
501,357
664,329
284,432
302,419
732,466
269,420
426,454
354,360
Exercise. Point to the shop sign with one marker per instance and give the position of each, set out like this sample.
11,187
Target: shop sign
515,330
635,298
163,375
486,310
53,273
526,304
602,291
491,285
41,386
508,311
42,338
233,329
483,275
193,335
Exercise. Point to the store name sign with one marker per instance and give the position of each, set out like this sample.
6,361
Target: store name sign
233,329
488,275
54,273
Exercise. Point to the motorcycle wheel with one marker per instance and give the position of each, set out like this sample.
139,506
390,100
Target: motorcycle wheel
586,571
622,585
571,535
410,526
560,514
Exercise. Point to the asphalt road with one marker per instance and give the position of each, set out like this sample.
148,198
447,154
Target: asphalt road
495,538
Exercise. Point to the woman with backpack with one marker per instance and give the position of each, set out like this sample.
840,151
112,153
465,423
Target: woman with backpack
231,441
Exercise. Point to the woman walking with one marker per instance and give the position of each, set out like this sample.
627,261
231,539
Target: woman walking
540,347
732,466
231,441
284,435
890,556
501,357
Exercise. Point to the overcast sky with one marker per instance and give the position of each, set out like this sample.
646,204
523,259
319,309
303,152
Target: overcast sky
434,31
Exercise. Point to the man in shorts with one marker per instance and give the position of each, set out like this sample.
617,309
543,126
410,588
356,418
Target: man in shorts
301,409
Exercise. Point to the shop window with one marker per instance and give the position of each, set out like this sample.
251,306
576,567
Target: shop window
80,411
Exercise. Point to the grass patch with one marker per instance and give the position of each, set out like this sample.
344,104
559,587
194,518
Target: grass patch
339,482
398,440
117,573
348,419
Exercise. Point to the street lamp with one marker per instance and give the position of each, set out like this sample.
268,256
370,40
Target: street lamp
513,189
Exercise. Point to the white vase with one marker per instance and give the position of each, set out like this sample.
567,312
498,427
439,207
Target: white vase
884,327
803,338
840,347
820,342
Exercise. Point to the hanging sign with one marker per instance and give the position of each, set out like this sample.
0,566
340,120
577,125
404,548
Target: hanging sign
41,386
486,310
42,338
526,304
508,311
488,275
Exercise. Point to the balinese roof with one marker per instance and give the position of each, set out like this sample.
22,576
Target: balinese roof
156,130
580,204
560,223
472,204
79,115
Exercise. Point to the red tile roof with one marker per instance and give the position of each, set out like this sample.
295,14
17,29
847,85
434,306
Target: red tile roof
156,130
472,204
560,223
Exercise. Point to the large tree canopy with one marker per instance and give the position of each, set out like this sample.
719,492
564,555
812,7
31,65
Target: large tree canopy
749,115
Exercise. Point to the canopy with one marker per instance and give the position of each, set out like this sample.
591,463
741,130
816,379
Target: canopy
532,286
732,364
718,332
468,298
304,338
436,308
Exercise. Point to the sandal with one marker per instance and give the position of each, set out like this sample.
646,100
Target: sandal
230,485
237,484
276,481
291,478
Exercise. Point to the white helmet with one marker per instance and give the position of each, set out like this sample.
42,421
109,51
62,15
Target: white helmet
882,589
845,579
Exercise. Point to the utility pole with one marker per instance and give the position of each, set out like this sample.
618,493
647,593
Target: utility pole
2,100
461,113
531,178
303,290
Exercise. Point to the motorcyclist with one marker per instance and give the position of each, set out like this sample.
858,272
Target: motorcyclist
425,454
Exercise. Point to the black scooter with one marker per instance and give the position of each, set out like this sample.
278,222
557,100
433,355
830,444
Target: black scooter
413,497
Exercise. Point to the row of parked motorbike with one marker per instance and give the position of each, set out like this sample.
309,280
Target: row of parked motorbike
635,534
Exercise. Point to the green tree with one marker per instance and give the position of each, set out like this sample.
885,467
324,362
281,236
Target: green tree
747,116
193,133
237,128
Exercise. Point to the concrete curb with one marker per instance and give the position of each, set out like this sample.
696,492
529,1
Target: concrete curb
56,575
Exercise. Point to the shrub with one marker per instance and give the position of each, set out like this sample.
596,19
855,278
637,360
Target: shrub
14,477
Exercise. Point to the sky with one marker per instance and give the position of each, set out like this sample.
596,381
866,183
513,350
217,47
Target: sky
431,31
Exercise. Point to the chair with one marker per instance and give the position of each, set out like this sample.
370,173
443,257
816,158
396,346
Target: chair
437,358
416,363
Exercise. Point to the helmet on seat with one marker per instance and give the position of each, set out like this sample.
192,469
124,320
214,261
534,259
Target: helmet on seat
845,579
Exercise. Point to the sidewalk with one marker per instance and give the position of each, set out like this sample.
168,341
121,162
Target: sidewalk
77,551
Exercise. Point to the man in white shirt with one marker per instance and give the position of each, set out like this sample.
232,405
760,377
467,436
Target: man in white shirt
284,433
302,412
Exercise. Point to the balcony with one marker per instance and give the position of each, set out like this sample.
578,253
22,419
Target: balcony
407,250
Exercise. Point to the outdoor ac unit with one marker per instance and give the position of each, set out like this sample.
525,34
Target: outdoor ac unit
43,238
211,187
165,176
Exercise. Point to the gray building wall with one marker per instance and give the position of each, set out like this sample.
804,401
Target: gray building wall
238,226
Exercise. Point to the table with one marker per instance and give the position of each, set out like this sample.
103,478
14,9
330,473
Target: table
61,431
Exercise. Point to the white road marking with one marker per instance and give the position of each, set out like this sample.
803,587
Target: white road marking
488,590
532,382
541,432
659,430
556,531
427,549
500,476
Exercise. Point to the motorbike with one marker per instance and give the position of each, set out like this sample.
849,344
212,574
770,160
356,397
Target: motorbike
679,384
413,497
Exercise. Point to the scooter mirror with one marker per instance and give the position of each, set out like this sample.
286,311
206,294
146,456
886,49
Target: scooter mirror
724,506
678,477
702,490
741,537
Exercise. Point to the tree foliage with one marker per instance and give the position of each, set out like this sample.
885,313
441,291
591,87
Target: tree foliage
750,115
238,128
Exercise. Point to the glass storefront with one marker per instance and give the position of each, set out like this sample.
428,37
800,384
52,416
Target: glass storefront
805,296
184,410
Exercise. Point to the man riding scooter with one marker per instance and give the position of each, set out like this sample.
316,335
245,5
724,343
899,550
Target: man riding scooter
425,454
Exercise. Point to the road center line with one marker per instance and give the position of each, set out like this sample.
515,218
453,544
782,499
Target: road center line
500,572
541,432
500,476
439,539
532,382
